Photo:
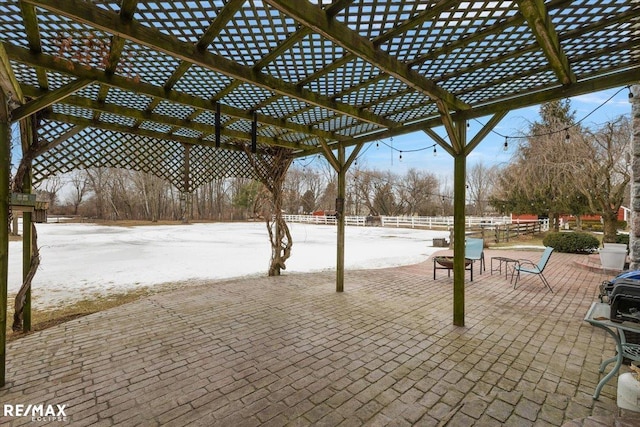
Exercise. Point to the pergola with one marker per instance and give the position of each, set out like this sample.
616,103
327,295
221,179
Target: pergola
191,90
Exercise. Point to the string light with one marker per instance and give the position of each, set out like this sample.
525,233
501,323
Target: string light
400,155
506,144
566,129
435,153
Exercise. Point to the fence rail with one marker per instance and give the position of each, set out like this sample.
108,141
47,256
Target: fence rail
499,228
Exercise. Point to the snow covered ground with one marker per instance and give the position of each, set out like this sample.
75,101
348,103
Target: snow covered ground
84,260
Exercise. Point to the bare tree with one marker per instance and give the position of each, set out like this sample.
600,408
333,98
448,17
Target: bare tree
48,190
602,171
417,191
79,188
480,180
364,183
152,191
293,189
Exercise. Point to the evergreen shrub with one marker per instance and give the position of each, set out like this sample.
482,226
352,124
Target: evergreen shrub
623,238
572,243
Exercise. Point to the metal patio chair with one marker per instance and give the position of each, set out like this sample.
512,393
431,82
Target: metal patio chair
532,268
474,250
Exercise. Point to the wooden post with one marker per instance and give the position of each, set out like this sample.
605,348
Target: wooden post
459,201
5,166
186,192
26,265
342,189
341,166
27,248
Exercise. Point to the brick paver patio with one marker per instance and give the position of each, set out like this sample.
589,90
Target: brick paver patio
292,351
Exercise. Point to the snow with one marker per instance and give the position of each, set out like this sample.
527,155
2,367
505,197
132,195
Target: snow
84,260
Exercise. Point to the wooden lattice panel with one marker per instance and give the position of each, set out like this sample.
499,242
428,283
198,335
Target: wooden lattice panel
198,81
352,74
283,107
208,164
26,75
140,62
182,19
245,41
127,99
294,65
246,96
13,29
70,40
92,148
375,92
332,71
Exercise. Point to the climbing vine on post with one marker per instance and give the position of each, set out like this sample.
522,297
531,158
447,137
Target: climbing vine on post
32,147
271,167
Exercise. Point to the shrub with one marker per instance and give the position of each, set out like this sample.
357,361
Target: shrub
622,238
572,243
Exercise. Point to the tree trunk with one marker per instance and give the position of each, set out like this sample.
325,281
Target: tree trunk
555,218
610,226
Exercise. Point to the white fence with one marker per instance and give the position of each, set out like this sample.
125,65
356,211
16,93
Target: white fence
411,221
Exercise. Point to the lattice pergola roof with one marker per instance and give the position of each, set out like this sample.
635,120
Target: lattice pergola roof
132,83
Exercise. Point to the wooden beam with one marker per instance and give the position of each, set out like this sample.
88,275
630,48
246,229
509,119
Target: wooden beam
440,141
59,140
615,79
540,24
492,123
353,156
8,83
176,122
218,24
328,154
127,84
113,127
48,98
30,20
108,21
447,121
319,21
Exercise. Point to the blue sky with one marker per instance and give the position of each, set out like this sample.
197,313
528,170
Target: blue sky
491,150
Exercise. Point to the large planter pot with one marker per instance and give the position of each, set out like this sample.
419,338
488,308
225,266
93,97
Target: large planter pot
613,258
628,392
616,246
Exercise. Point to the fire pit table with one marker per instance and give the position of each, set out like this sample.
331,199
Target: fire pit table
446,263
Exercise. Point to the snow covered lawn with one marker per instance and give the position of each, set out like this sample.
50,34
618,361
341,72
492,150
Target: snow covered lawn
83,260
